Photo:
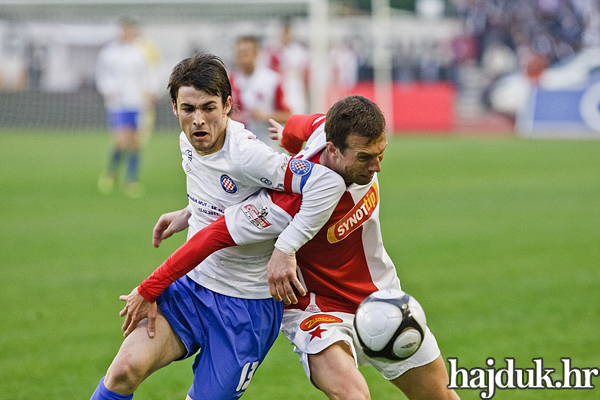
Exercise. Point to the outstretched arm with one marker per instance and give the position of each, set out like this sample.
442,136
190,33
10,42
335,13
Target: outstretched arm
140,302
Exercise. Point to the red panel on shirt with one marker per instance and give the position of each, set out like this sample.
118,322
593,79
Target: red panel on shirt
338,272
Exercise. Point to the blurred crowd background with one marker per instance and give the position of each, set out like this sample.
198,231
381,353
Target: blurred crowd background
479,57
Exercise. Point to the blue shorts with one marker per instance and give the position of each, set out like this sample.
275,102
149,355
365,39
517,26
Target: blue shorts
123,119
233,335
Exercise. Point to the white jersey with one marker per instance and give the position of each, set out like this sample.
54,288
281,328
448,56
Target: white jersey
124,76
240,169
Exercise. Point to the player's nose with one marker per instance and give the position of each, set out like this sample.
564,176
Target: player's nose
375,165
198,118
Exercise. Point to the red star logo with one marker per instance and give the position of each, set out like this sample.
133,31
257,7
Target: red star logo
316,332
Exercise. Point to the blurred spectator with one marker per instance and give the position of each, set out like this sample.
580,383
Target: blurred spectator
257,91
125,79
291,60
554,29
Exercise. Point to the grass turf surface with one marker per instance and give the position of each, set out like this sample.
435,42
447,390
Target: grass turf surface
498,238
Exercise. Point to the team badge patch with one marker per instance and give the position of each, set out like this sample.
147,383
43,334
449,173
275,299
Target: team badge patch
315,320
300,167
228,184
256,216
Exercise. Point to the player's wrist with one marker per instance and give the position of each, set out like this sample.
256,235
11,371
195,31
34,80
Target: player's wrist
284,247
142,291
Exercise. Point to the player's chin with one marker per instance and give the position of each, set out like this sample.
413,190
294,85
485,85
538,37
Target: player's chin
364,179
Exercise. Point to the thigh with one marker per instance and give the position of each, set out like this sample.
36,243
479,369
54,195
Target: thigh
334,371
233,336
237,342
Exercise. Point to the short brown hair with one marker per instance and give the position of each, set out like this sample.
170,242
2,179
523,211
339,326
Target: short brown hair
353,115
204,72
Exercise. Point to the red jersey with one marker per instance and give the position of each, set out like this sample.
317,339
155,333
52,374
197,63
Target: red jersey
346,260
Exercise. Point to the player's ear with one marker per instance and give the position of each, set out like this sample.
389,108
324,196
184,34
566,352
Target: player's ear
227,106
331,149
175,109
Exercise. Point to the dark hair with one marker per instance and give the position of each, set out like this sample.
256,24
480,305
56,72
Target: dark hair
204,72
353,115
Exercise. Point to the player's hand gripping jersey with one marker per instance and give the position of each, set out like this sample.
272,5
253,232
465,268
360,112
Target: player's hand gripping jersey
346,260
340,266
220,180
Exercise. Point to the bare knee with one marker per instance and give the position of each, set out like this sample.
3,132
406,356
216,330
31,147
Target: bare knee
140,355
123,376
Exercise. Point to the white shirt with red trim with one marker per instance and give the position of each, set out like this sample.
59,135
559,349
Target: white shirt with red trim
292,62
262,90
346,260
240,169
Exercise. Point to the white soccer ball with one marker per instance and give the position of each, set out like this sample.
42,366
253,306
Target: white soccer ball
390,324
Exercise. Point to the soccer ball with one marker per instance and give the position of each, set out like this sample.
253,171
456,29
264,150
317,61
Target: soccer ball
390,324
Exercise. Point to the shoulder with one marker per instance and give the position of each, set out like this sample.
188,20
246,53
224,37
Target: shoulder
238,134
242,144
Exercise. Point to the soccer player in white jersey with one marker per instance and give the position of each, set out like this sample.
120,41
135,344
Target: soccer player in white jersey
127,82
223,307
340,266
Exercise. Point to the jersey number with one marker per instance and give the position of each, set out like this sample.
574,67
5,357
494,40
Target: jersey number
247,374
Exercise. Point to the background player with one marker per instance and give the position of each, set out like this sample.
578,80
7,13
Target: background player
291,59
258,91
223,308
126,79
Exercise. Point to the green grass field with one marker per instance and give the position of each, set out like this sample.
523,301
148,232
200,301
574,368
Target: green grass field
498,238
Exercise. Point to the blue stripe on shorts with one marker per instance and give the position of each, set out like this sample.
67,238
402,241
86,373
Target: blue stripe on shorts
232,335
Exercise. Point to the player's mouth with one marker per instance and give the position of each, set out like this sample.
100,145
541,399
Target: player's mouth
200,135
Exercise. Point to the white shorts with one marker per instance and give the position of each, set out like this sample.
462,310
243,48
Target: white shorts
312,333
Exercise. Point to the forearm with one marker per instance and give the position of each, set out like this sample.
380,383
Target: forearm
205,242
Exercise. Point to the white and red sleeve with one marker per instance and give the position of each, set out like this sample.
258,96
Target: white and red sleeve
298,129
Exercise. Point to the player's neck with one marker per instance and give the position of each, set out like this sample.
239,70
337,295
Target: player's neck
326,160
